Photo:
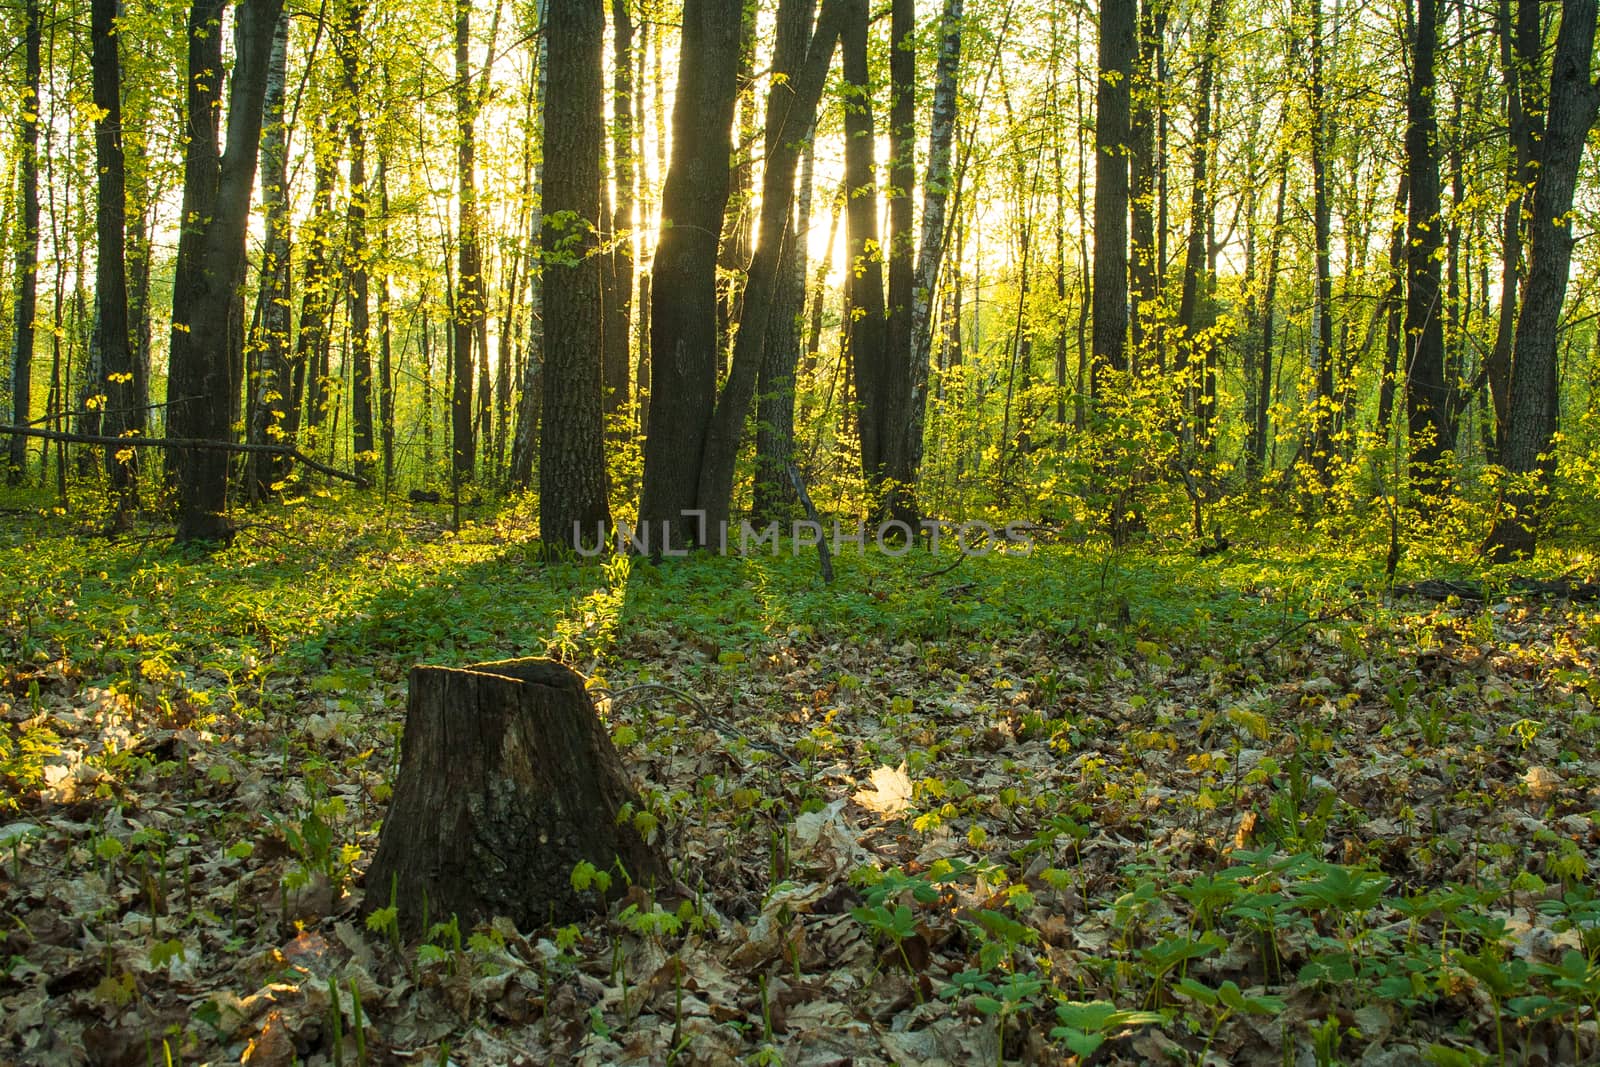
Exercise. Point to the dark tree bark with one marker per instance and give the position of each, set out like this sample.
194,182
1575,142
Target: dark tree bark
1530,432
774,492
310,365
1143,270
865,326
802,57
619,261
469,302
357,270
201,391
898,381
111,280
1321,212
1427,392
385,343
737,236
1195,348
27,262
1113,104
572,468
269,411
1394,310
683,297
508,780
1520,46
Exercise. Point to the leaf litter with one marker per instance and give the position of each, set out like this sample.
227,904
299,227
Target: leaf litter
983,841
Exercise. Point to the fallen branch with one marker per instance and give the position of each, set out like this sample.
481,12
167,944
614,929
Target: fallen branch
823,556
185,442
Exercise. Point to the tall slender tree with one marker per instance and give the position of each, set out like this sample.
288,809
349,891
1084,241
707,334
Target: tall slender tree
865,325
111,280
1113,119
27,261
618,264
218,180
683,293
357,272
1535,384
1427,392
273,393
935,228
801,60
572,469
469,300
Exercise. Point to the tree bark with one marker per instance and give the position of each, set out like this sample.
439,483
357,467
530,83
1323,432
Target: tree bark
1529,438
898,377
111,280
1321,211
619,272
508,781
269,410
931,247
572,469
801,56
1427,392
357,269
469,303
865,326
1144,279
1394,301
1195,348
27,261
1520,46
1112,132
683,292
310,365
211,254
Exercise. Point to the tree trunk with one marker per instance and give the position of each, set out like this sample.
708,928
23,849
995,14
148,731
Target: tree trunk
572,467
469,305
1260,421
27,263
530,405
1394,301
1321,211
357,272
737,244
1520,46
774,491
801,58
508,781
201,392
1530,434
111,280
385,327
269,414
1113,103
898,377
864,318
683,290
1144,281
310,365
1426,389
619,275
1194,347
931,248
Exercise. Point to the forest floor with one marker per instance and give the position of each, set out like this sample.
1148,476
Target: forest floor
1124,806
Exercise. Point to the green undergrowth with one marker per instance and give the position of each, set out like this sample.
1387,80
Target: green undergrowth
1128,805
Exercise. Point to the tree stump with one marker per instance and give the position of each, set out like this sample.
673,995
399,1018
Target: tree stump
507,781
